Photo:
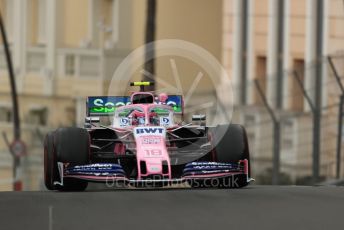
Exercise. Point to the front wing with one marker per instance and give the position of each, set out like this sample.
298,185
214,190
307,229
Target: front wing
109,173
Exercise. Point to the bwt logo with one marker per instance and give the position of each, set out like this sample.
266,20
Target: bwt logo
149,130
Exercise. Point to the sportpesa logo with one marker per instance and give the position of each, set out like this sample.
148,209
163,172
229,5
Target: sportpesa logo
103,105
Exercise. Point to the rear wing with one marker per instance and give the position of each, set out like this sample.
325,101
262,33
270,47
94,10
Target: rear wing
107,105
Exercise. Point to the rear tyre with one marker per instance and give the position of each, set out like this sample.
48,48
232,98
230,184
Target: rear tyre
66,145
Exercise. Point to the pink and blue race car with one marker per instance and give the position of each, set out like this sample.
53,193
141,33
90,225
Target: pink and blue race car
145,146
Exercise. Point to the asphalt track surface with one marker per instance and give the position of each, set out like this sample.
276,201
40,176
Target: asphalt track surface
254,207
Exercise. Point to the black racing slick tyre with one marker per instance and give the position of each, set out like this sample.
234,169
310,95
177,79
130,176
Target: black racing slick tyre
66,145
231,146
50,166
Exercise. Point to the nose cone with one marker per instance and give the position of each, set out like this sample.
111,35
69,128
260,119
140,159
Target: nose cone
151,152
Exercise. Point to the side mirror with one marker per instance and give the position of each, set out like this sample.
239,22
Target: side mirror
90,120
199,117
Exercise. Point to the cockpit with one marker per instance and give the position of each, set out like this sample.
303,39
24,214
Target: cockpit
141,115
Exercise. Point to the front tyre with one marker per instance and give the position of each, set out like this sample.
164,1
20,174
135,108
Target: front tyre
51,173
231,146
66,145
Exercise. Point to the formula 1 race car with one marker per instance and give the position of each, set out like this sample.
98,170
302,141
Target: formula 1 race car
144,146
